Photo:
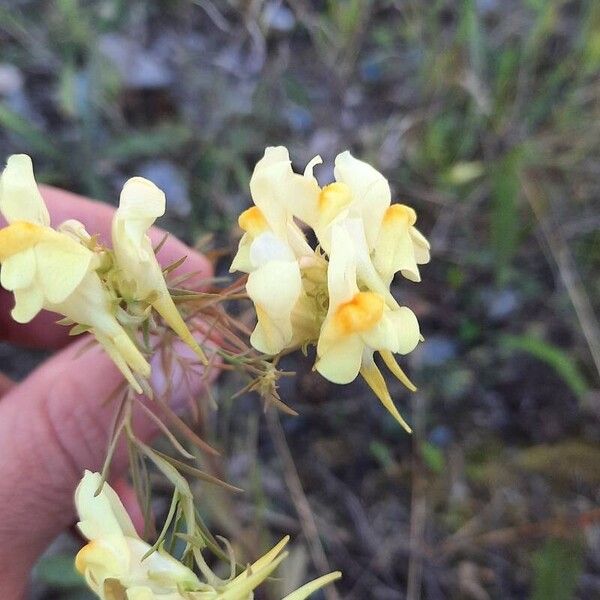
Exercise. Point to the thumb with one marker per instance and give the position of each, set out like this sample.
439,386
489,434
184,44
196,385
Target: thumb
53,425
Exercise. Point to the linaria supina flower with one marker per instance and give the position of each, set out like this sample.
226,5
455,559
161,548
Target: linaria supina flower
117,564
359,323
49,269
273,250
112,559
342,289
141,277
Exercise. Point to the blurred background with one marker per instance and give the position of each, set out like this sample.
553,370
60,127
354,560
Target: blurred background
485,117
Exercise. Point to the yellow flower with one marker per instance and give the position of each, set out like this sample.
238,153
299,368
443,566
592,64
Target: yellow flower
359,323
270,214
359,191
112,562
48,269
342,289
114,566
360,197
141,203
400,246
272,250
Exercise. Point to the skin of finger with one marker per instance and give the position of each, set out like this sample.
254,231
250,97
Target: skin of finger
5,384
43,332
54,425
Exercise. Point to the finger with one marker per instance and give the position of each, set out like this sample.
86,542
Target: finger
43,332
54,425
5,384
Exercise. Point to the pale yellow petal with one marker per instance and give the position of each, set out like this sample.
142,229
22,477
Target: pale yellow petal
137,263
253,221
141,199
312,163
157,568
28,303
102,558
421,246
241,261
18,271
366,272
75,230
406,326
397,331
394,249
140,204
61,265
310,588
140,593
370,190
20,236
302,198
268,247
297,240
103,514
268,187
90,304
333,200
341,273
274,288
273,155
339,358
20,199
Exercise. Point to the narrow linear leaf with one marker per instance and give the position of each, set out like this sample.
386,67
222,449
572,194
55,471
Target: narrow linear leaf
557,567
562,364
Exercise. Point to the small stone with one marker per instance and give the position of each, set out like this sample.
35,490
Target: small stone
502,304
298,118
441,436
138,67
11,80
487,6
371,70
279,18
435,351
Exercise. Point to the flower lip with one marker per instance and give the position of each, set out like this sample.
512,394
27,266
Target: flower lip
334,198
400,212
253,221
360,314
19,236
82,557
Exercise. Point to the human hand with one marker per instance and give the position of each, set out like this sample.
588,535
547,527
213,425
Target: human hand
56,422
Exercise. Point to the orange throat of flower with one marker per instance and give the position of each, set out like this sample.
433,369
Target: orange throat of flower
360,314
18,237
253,221
334,198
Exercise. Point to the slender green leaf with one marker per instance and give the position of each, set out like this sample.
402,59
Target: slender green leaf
563,365
557,566
505,223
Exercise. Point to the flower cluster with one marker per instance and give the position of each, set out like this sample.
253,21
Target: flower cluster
113,293
116,563
65,270
336,296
